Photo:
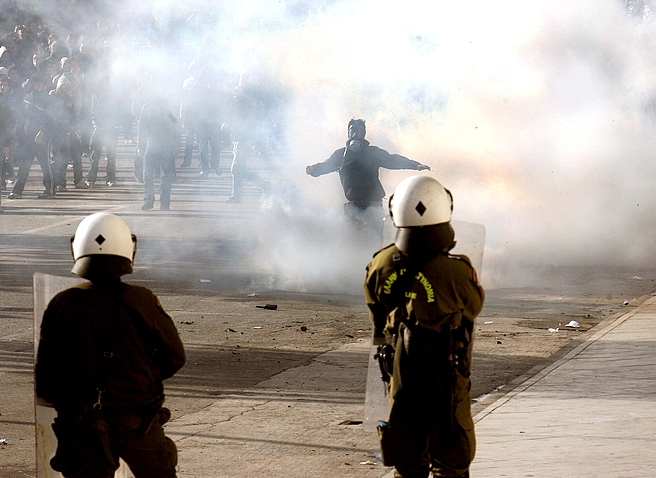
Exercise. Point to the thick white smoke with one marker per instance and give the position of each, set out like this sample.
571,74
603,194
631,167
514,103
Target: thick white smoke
534,114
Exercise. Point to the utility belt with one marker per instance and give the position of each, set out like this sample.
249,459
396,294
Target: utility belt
135,417
448,347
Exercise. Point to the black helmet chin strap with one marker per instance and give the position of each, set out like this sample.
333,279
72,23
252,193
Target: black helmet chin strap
425,241
134,246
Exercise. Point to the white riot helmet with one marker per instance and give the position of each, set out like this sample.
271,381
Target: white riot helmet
421,210
420,201
103,247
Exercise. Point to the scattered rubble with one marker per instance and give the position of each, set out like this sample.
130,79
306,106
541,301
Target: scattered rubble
268,307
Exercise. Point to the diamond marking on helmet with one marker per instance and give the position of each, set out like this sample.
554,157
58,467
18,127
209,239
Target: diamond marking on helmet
420,208
100,239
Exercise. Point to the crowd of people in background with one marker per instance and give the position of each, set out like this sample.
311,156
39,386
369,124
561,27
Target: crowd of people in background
68,95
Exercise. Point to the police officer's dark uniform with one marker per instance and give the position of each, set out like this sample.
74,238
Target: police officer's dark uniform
426,300
358,164
105,349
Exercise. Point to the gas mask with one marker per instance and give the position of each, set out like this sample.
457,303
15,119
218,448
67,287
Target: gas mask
355,142
352,152
356,135
354,145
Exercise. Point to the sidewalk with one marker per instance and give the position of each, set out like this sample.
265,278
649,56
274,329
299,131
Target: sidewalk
590,414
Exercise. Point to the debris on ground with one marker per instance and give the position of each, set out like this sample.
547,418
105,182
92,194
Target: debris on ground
268,307
351,422
551,329
573,323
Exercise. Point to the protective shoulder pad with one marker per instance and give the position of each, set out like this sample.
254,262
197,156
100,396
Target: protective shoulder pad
462,257
383,249
82,285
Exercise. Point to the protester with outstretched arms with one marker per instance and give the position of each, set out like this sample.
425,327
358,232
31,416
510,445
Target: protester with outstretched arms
358,165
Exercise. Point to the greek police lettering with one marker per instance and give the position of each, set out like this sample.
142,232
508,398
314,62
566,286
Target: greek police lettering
430,293
389,282
387,289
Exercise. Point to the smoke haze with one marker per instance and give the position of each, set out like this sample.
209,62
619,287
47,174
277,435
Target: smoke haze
536,115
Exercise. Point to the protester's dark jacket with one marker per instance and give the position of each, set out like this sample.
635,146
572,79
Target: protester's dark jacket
358,172
37,114
114,337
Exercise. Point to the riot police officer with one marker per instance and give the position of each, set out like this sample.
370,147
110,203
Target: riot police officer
424,301
105,348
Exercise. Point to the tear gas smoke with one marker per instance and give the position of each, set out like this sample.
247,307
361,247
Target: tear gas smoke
536,115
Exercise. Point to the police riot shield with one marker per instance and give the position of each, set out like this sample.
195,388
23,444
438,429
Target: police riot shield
470,241
45,287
